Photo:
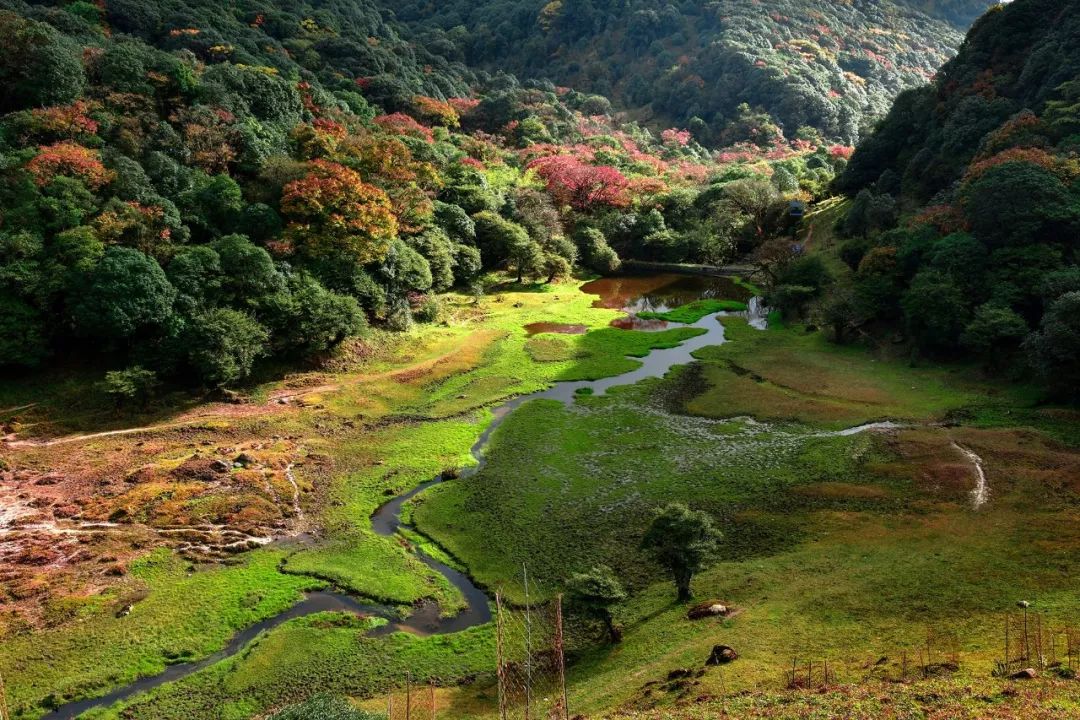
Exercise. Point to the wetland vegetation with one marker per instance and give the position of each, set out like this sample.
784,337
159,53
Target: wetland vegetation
327,377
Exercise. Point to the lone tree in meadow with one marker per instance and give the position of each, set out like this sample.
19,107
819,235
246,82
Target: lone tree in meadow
593,593
682,540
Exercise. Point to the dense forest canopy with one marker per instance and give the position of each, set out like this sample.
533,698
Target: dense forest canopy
193,188
830,66
987,264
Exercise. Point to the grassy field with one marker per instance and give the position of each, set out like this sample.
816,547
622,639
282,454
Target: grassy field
840,547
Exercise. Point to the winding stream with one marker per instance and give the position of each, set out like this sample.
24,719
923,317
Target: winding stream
633,295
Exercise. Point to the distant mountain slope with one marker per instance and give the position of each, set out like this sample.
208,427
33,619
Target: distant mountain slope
961,13
829,66
1015,58
334,40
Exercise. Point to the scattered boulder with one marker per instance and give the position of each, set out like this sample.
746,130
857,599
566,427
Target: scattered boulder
232,397
712,608
244,460
198,468
1025,674
722,655
220,466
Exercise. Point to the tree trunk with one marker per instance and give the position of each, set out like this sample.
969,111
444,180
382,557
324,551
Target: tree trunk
613,632
682,583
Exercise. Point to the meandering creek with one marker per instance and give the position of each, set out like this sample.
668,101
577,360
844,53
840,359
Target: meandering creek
633,295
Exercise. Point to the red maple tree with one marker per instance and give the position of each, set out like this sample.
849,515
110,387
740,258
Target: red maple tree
572,182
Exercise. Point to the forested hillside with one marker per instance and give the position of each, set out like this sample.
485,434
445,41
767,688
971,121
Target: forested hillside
193,188
828,66
986,155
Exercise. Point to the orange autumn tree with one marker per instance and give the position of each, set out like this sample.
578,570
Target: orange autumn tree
70,160
436,112
332,211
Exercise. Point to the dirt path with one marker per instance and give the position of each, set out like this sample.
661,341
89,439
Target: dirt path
980,494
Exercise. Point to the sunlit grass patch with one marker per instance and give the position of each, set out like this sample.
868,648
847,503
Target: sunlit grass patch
787,373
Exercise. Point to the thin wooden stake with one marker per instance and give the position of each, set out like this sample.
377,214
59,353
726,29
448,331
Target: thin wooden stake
408,696
432,693
1027,642
499,670
390,705
723,692
559,656
1006,642
1038,640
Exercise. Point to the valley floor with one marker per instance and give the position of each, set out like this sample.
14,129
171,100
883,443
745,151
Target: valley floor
865,550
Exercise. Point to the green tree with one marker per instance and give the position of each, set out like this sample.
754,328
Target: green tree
839,310
1055,348
994,332
195,271
223,344
22,333
135,384
869,214
404,269
38,67
784,180
126,292
526,258
756,200
1017,203
594,593
309,319
935,311
498,238
682,541
964,259
456,222
438,250
248,271
467,264
595,251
